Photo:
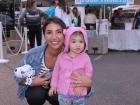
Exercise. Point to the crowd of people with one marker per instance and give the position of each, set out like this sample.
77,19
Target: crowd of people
31,17
118,20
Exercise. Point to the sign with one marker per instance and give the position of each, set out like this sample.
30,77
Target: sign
101,1
130,2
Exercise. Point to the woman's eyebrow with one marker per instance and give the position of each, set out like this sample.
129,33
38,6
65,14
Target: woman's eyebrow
59,30
55,30
48,30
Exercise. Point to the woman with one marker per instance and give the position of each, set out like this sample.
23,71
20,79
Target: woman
32,17
90,19
76,17
67,17
44,57
58,9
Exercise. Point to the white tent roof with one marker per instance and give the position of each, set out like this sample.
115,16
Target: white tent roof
128,7
23,0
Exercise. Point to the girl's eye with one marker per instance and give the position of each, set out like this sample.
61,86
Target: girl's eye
73,41
81,41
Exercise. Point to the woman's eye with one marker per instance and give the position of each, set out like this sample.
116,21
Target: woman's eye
48,32
59,32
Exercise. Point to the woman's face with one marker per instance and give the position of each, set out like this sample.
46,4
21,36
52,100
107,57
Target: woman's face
56,2
74,10
54,35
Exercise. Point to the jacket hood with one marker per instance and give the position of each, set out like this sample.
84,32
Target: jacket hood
68,32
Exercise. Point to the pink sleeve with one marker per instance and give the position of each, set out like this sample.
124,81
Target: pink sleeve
89,68
55,74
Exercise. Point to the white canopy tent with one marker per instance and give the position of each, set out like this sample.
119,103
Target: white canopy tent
132,8
23,0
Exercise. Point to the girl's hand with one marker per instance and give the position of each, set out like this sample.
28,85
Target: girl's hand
78,91
80,80
52,91
40,81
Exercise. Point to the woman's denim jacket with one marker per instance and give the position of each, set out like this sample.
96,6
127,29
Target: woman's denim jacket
34,58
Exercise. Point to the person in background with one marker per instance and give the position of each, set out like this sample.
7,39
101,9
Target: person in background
55,9
71,61
113,18
136,21
90,19
118,20
59,9
62,11
43,58
32,17
76,19
51,10
67,16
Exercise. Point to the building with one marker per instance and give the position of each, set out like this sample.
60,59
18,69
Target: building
137,2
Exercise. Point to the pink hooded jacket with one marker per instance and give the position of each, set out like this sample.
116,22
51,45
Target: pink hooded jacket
66,66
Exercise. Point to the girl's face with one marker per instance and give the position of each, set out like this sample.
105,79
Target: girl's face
77,44
54,35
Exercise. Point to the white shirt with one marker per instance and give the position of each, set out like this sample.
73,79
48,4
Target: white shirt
90,18
59,12
67,18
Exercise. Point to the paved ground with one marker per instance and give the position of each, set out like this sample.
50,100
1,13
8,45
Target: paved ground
116,79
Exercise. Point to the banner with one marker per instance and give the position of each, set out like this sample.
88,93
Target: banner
130,2
101,2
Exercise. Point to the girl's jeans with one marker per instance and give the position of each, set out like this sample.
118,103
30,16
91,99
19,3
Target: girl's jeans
71,100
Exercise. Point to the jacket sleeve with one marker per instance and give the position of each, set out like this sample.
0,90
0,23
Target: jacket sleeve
22,62
79,20
55,74
21,17
43,14
89,68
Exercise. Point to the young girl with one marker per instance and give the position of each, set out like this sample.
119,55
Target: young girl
72,61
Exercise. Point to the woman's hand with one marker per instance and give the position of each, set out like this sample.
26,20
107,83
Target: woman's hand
39,80
80,79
